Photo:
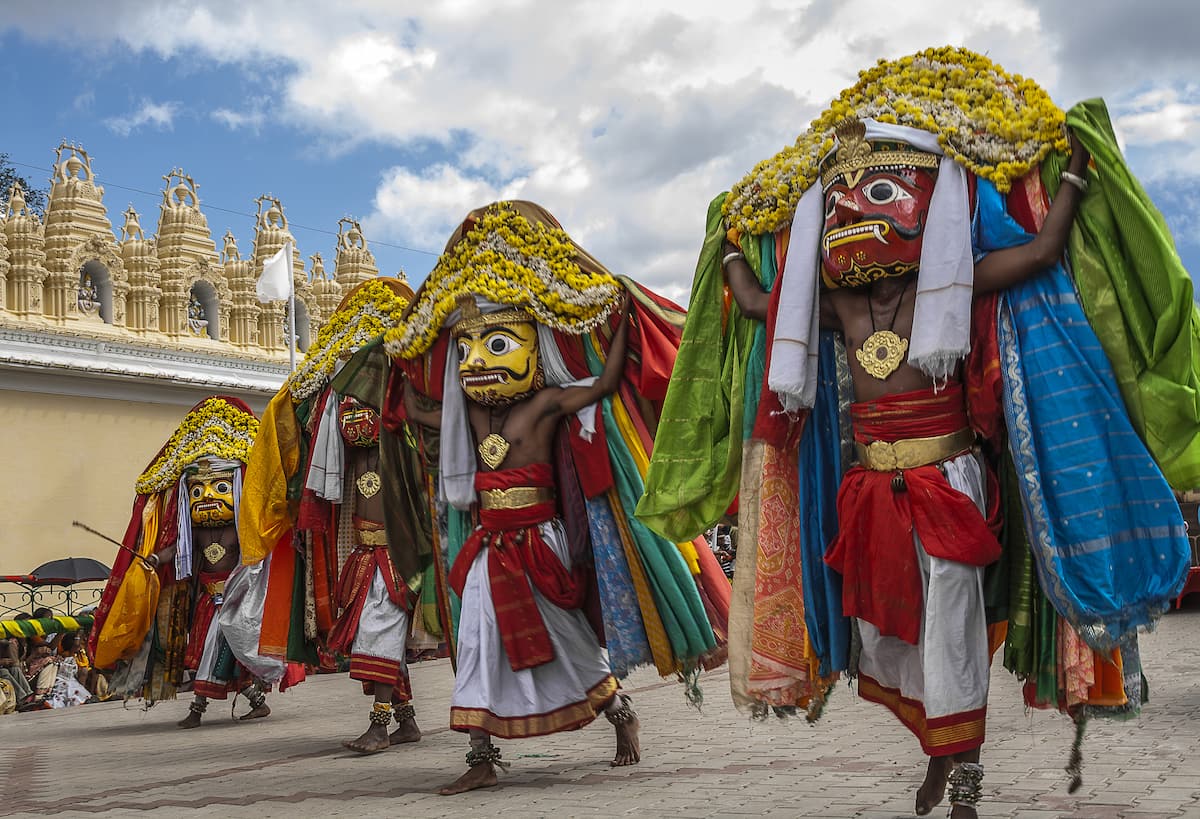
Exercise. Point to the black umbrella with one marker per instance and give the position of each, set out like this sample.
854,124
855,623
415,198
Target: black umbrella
70,570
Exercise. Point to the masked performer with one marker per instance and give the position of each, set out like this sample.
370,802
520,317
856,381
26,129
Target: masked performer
363,539
531,357
159,614
898,217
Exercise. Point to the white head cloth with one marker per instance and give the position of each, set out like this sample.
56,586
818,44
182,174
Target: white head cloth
456,482
941,334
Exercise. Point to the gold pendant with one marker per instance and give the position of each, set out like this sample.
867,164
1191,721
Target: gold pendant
493,449
213,553
882,353
368,484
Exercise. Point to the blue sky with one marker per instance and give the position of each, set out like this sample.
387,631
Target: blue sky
623,118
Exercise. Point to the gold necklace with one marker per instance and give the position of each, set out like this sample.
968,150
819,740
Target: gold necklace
883,351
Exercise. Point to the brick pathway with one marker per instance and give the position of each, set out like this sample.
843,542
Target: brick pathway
106,761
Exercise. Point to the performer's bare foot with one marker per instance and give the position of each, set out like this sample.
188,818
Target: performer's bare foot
373,740
192,720
629,747
933,789
256,713
406,731
478,776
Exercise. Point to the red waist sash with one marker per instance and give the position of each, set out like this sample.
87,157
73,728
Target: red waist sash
517,557
874,550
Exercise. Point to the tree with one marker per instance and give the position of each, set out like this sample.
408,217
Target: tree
34,197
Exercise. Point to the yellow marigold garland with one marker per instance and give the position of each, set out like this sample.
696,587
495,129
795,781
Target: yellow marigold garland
215,429
373,309
997,125
508,259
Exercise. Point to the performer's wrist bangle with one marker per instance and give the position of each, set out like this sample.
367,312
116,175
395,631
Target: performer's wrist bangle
1076,180
729,257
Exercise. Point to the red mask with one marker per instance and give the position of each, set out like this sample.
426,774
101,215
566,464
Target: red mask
873,227
359,424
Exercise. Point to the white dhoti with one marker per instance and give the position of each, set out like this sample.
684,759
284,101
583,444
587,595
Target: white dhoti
563,694
938,687
378,654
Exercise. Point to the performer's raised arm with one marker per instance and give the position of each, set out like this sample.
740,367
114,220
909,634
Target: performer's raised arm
1004,268
573,399
430,418
747,292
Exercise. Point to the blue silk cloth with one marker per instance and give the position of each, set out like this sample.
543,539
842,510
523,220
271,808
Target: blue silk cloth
820,476
1106,533
624,631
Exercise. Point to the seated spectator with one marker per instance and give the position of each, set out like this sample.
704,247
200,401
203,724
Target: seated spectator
12,672
66,689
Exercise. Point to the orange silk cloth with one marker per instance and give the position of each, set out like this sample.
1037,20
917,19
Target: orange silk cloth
516,551
874,549
783,665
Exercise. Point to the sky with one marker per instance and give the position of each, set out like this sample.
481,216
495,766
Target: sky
622,117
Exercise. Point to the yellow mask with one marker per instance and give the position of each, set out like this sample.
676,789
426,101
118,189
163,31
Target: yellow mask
499,360
210,496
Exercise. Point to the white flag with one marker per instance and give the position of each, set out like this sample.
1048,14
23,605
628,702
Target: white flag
275,283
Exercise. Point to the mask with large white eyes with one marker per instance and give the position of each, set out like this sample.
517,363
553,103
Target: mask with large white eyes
498,363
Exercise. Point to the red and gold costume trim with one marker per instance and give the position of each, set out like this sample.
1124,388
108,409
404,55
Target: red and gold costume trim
355,583
878,514
567,718
516,551
939,736
368,670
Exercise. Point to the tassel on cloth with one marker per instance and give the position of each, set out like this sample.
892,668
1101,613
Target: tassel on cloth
1075,761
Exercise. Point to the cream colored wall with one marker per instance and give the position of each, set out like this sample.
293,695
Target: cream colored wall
71,458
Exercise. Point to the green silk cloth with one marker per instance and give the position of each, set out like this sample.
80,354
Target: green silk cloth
696,464
406,514
1138,298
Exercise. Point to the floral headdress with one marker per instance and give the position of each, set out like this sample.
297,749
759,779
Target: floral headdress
369,310
510,253
997,125
217,427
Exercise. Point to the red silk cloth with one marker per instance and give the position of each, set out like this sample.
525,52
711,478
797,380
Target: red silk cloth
202,617
354,587
874,550
516,551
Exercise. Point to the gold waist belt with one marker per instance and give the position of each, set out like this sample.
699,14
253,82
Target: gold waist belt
371,537
517,497
909,453
215,589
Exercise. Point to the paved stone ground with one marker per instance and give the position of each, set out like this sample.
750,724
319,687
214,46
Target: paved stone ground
106,760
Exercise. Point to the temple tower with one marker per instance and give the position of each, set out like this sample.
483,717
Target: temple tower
354,264
26,248
270,234
186,254
84,274
140,260
239,274
326,290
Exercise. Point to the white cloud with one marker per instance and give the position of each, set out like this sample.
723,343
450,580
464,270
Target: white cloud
1160,115
251,119
421,209
160,115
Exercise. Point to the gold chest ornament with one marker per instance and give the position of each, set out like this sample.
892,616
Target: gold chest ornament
369,484
493,449
882,353
213,553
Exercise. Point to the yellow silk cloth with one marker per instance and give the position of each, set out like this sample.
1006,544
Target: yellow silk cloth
133,609
264,517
